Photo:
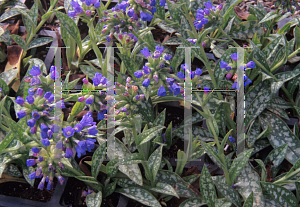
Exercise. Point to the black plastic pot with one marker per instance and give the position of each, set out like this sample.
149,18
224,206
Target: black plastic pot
9,201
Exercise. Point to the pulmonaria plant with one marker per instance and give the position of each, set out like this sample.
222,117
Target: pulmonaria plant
85,9
232,67
195,75
156,74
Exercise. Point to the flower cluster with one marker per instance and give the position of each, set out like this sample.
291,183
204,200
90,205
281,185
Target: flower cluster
47,165
287,6
87,8
127,40
155,73
195,75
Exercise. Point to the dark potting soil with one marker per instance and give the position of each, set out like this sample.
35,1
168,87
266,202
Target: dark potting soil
26,191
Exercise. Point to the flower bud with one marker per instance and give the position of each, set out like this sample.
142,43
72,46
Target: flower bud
85,81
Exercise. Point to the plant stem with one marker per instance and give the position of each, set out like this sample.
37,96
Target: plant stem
187,15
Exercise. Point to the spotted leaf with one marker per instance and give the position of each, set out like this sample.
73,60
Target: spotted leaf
97,159
249,201
207,187
94,199
193,202
276,156
228,192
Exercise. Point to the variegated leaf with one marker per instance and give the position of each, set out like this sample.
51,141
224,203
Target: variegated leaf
228,192
140,195
256,91
117,148
280,194
276,156
193,202
249,201
97,159
207,187
253,132
246,30
281,134
250,182
154,161
223,203
263,170
26,172
94,199
39,42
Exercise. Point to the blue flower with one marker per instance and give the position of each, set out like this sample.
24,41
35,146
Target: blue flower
35,71
74,4
97,4
146,82
100,115
180,75
31,122
92,130
20,100
231,139
192,75
96,81
161,91
35,115
208,4
152,2
41,184
44,127
192,40
234,85
198,71
35,81
158,51
30,162
68,131
228,68
33,130
71,14
247,80
35,150
44,134
32,175
55,128
122,6
51,98
170,81
162,2
138,74
199,14
234,56
21,114
223,64
176,89
89,2
168,57
50,185
31,91
198,24
146,16
87,119
137,97
81,148
146,69
153,10
69,153
78,127
146,52
61,180
130,12
103,81
78,10
30,99
250,64
90,144
206,11
45,142
47,94
206,89
89,100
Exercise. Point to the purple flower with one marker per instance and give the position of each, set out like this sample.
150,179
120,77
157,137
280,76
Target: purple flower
199,14
47,94
250,64
176,89
85,81
247,80
90,144
71,14
138,74
50,133
35,71
44,127
69,153
41,184
123,5
78,10
170,81
204,21
81,148
35,150
228,68
155,77
158,51
80,99
206,90
180,75
145,51
168,57
68,131
206,11
78,127
103,81
32,175
31,91
89,2
234,56
220,7
89,100
92,130
231,139
152,2
88,12
33,130
55,128
30,99
161,91
97,4
208,5
124,109
50,185
100,115
223,64
198,71
87,120
31,122
234,85
153,10
130,12
30,162
59,145
21,114
192,40
44,134
20,100
137,97
162,2
74,4
228,76
39,92
35,81
51,98
198,24
146,16
146,69
192,75
45,142
61,180
35,115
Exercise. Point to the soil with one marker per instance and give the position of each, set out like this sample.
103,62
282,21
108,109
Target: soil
26,191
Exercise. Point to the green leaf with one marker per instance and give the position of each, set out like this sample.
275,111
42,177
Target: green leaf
154,161
6,140
148,38
281,134
116,148
263,170
271,15
249,201
181,187
140,195
193,202
284,29
173,41
207,187
145,108
98,157
276,156
112,168
87,179
109,189
250,182
280,194
33,13
178,58
261,58
149,134
220,117
69,25
17,130
129,63
238,164
26,172
8,14
89,71
19,40
168,136
228,192
78,107
213,155
94,199
191,178
246,30
39,42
